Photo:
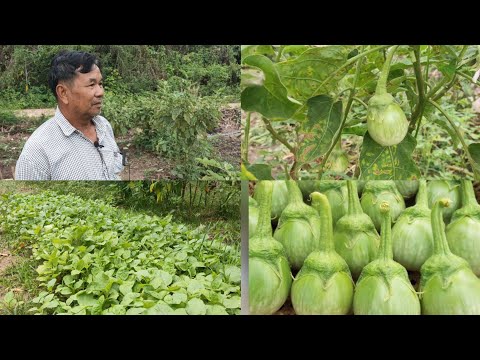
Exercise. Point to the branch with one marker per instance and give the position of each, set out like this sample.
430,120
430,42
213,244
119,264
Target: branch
277,136
418,112
338,135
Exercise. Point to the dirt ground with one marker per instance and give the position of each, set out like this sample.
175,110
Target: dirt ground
6,261
141,164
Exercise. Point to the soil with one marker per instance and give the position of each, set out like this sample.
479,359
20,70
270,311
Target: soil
6,261
141,164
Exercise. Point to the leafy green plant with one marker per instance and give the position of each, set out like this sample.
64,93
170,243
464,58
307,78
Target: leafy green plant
11,304
307,97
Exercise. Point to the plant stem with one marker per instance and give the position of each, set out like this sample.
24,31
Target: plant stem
418,112
382,81
386,252
321,204
276,136
462,74
421,199
338,134
454,78
332,75
279,53
460,137
360,101
246,139
354,206
440,244
264,198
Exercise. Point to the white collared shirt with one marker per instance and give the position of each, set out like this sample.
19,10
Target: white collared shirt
58,151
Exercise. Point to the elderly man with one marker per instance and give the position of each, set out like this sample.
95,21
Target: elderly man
77,143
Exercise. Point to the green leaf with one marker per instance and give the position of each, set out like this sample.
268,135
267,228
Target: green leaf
359,130
85,299
295,49
248,50
303,75
159,309
474,150
129,298
100,282
182,255
180,311
261,171
51,283
194,286
448,70
9,297
271,99
175,298
233,274
68,280
115,310
324,119
232,303
167,277
251,77
216,310
126,287
135,311
196,307
388,163
158,282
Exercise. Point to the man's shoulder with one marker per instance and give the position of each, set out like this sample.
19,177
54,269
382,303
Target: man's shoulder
101,119
44,133
104,122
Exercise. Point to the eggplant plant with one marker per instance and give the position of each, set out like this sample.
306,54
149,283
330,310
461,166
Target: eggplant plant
412,237
355,236
307,98
269,275
298,228
448,285
324,284
386,121
384,287
463,232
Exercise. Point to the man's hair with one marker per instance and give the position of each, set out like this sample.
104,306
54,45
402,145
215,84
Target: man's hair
66,64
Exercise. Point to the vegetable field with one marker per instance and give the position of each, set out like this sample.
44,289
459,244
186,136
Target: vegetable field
375,247
89,257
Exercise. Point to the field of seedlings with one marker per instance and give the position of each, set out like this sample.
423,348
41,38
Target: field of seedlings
89,257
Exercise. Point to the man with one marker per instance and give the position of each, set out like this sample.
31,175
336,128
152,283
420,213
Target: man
77,143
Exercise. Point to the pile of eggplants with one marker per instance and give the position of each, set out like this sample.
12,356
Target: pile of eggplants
335,250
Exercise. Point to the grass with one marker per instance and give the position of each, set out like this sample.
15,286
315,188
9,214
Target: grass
18,279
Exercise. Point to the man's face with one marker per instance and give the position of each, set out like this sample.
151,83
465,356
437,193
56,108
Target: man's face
85,93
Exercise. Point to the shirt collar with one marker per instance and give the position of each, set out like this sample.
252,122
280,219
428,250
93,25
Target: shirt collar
68,129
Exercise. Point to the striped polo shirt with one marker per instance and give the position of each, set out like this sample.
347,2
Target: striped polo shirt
58,151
